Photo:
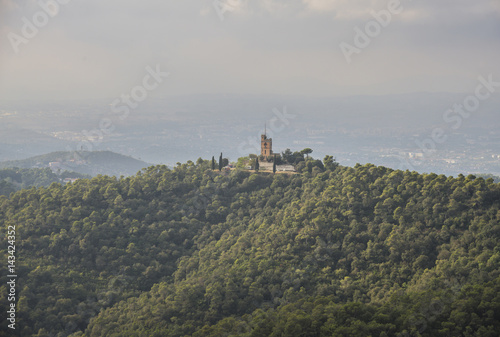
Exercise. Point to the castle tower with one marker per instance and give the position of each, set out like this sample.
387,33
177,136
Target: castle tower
266,146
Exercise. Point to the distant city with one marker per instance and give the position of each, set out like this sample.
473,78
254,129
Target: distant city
409,131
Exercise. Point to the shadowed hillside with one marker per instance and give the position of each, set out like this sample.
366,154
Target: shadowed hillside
329,252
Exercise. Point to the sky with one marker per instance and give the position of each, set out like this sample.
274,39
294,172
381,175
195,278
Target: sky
86,49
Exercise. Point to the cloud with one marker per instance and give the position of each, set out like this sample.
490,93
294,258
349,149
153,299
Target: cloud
8,5
496,5
100,48
414,11
344,9
6,8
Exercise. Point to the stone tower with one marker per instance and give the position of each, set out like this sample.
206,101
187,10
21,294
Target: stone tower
266,146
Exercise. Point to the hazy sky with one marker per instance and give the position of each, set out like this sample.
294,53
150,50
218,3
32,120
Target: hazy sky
101,48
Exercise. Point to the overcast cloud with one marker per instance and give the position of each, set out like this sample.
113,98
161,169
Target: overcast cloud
97,49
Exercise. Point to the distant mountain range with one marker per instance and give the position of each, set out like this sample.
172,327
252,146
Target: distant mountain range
93,163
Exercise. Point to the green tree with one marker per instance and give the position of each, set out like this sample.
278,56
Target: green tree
330,163
243,162
307,151
288,157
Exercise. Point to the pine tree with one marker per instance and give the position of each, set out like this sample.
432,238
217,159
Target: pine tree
213,163
220,162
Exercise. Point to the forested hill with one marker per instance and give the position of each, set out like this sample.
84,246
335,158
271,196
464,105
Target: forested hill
14,179
335,251
84,162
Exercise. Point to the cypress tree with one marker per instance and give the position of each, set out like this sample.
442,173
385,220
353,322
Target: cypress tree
213,163
220,162
257,164
274,164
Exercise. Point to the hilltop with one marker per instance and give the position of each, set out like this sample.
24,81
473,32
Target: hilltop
92,163
331,251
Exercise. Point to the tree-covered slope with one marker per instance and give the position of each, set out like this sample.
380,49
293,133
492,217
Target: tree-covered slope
330,252
84,162
14,179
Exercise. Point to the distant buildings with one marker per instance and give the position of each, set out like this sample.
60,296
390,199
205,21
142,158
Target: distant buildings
68,165
415,155
55,166
69,180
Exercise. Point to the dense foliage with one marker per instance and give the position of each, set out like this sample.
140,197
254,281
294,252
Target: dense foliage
299,159
14,179
334,251
496,179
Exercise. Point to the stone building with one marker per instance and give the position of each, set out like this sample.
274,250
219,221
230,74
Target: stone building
266,146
